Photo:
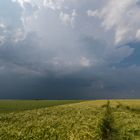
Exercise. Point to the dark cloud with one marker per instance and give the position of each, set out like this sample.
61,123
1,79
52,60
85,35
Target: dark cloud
81,85
59,51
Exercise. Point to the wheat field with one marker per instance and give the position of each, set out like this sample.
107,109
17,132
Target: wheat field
88,120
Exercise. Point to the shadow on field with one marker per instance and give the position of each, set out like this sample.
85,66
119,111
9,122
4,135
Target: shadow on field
106,129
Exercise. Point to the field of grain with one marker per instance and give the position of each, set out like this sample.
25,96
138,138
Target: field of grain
7,106
88,120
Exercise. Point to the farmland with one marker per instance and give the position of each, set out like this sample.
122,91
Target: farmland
71,120
7,106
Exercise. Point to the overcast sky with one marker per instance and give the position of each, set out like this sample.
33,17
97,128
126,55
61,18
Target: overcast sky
69,49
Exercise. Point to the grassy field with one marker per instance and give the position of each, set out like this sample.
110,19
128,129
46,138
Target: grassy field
88,120
7,106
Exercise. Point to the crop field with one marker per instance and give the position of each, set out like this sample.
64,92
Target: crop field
88,120
21,105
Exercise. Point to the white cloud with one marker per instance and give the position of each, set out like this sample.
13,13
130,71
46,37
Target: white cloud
11,26
138,35
91,13
2,36
114,11
85,62
121,17
2,40
53,4
22,2
122,34
68,18
2,25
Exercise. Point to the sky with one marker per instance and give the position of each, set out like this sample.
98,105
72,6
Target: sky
69,49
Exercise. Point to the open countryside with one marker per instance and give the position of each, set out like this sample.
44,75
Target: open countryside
71,120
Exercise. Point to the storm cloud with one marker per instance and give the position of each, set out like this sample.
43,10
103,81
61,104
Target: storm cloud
69,49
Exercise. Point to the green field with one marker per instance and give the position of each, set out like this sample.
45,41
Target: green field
7,106
88,120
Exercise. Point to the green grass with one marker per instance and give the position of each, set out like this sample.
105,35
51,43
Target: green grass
88,120
7,106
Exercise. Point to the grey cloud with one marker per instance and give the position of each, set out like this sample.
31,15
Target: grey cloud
60,44
44,58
